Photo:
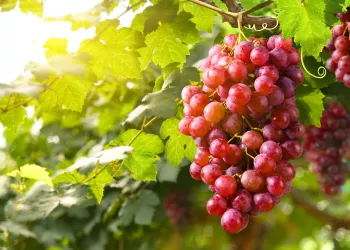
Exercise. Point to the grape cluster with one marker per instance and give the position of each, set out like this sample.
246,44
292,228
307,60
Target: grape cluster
339,45
327,146
244,121
177,206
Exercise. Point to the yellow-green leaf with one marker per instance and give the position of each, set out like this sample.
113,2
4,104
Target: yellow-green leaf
32,171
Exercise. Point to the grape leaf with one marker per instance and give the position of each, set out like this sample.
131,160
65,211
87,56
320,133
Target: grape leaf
202,17
122,37
163,48
139,210
332,7
141,162
166,172
12,119
178,146
8,5
305,22
69,177
55,46
184,29
97,184
16,229
345,5
36,204
34,6
162,103
220,4
310,105
122,63
32,171
68,92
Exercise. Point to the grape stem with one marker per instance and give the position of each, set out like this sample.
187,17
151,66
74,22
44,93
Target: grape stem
235,10
246,151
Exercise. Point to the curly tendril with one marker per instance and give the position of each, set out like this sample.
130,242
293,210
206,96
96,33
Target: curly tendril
321,71
264,27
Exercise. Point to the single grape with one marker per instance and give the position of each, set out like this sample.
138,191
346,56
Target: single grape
252,139
259,56
237,109
234,156
286,170
263,201
232,221
270,71
225,186
210,173
230,41
291,149
202,156
199,127
257,103
216,205
275,185
238,71
216,133
219,148
280,119
199,101
276,97
184,125
295,74
264,164
287,86
253,181
232,123
240,94
218,161
295,130
242,51
195,171
279,58
189,91
214,112
272,149
264,85
214,76
273,134
242,201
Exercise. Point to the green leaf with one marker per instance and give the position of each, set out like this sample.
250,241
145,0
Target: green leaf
34,172
68,92
345,5
16,229
36,204
139,210
310,104
305,22
163,48
69,177
97,184
202,17
122,37
332,7
184,29
8,5
55,46
34,6
12,119
162,103
120,62
167,172
178,144
138,23
141,162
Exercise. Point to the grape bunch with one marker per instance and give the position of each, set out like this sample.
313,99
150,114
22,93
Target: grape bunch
326,147
339,45
177,206
244,121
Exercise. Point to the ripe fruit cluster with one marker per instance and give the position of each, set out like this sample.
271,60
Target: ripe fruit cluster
339,45
177,206
327,146
245,123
